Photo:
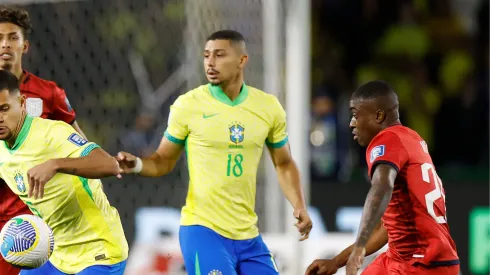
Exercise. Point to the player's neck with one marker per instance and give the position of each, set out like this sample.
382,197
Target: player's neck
15,134
17,71
232,88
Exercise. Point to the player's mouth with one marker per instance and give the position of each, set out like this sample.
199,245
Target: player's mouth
6,56
3,130
212,74
355,135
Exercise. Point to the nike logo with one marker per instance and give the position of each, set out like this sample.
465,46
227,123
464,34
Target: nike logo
208,116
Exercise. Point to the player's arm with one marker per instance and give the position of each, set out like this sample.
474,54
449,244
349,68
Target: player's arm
287,170
378,239
382,184
158,164
69,154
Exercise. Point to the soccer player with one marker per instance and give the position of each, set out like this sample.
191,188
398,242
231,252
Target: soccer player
223,127
405,206
44,99
55,171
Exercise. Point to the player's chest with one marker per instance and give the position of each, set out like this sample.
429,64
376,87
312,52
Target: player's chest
37,105
231,128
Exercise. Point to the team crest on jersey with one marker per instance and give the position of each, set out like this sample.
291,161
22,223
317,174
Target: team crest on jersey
237,132
34,106
19,180
377,151
77,139
215,272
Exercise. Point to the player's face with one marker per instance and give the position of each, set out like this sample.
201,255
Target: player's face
13,45
11,110
364,124
222,61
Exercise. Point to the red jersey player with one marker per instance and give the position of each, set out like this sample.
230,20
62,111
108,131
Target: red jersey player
44,99
405,206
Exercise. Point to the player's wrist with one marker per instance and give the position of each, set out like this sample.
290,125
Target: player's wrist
138,166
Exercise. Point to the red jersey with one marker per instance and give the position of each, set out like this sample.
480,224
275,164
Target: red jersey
44,99
416,215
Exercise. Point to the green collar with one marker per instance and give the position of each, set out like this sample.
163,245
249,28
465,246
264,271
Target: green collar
22,135
218,93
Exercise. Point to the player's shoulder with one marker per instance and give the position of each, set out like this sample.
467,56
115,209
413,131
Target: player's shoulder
48,125
191,97
260,98
35,83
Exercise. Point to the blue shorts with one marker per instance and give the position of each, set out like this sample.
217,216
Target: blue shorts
208,253
49,269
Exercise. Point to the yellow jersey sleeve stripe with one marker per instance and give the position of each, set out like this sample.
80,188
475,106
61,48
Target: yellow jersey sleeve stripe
84,181
174,139
277,144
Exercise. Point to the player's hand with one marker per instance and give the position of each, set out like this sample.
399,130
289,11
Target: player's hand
304,223
355,260
126,162
38,176
323,267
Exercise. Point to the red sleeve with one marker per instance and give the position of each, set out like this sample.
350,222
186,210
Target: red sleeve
61,109
386,148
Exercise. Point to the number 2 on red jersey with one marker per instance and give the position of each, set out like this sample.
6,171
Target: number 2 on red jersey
432,196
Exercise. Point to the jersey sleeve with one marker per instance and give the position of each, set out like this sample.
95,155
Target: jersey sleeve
278,135
61,108
65,142
177,128
386,148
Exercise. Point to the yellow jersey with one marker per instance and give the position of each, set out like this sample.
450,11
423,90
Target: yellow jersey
87,229
224,141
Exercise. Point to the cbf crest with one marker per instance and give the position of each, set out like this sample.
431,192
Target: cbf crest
34,106
19,180
237,132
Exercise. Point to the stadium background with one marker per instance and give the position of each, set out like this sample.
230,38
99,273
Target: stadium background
122,63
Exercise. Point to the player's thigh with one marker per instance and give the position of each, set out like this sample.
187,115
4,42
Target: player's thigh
7,269
440,270
205,251
45,269
255,258
116,269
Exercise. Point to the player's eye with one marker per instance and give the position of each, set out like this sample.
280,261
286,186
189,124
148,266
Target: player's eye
14,37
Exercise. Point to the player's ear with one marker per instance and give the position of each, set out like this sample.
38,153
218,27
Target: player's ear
243,61
380,116
26,46
22,100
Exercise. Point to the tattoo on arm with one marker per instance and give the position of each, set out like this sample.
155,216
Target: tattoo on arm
376,202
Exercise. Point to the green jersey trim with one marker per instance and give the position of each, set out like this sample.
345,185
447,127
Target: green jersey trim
277,144
218,93
84,181
24,131
174,139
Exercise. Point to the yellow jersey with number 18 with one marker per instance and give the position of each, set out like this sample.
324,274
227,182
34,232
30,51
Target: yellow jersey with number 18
224,141
87,230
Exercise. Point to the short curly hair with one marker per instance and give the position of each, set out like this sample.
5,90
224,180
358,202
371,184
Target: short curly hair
16,16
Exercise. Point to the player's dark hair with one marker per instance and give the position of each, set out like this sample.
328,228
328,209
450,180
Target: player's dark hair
233,36
373,89
16,16
9,82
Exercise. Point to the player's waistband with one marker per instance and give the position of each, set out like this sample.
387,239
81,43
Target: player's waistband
439,263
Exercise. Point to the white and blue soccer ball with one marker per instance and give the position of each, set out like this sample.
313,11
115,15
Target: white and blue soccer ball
26,241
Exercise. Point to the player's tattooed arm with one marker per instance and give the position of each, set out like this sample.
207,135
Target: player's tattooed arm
377,200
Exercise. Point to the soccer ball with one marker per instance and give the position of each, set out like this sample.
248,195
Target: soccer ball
26,241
